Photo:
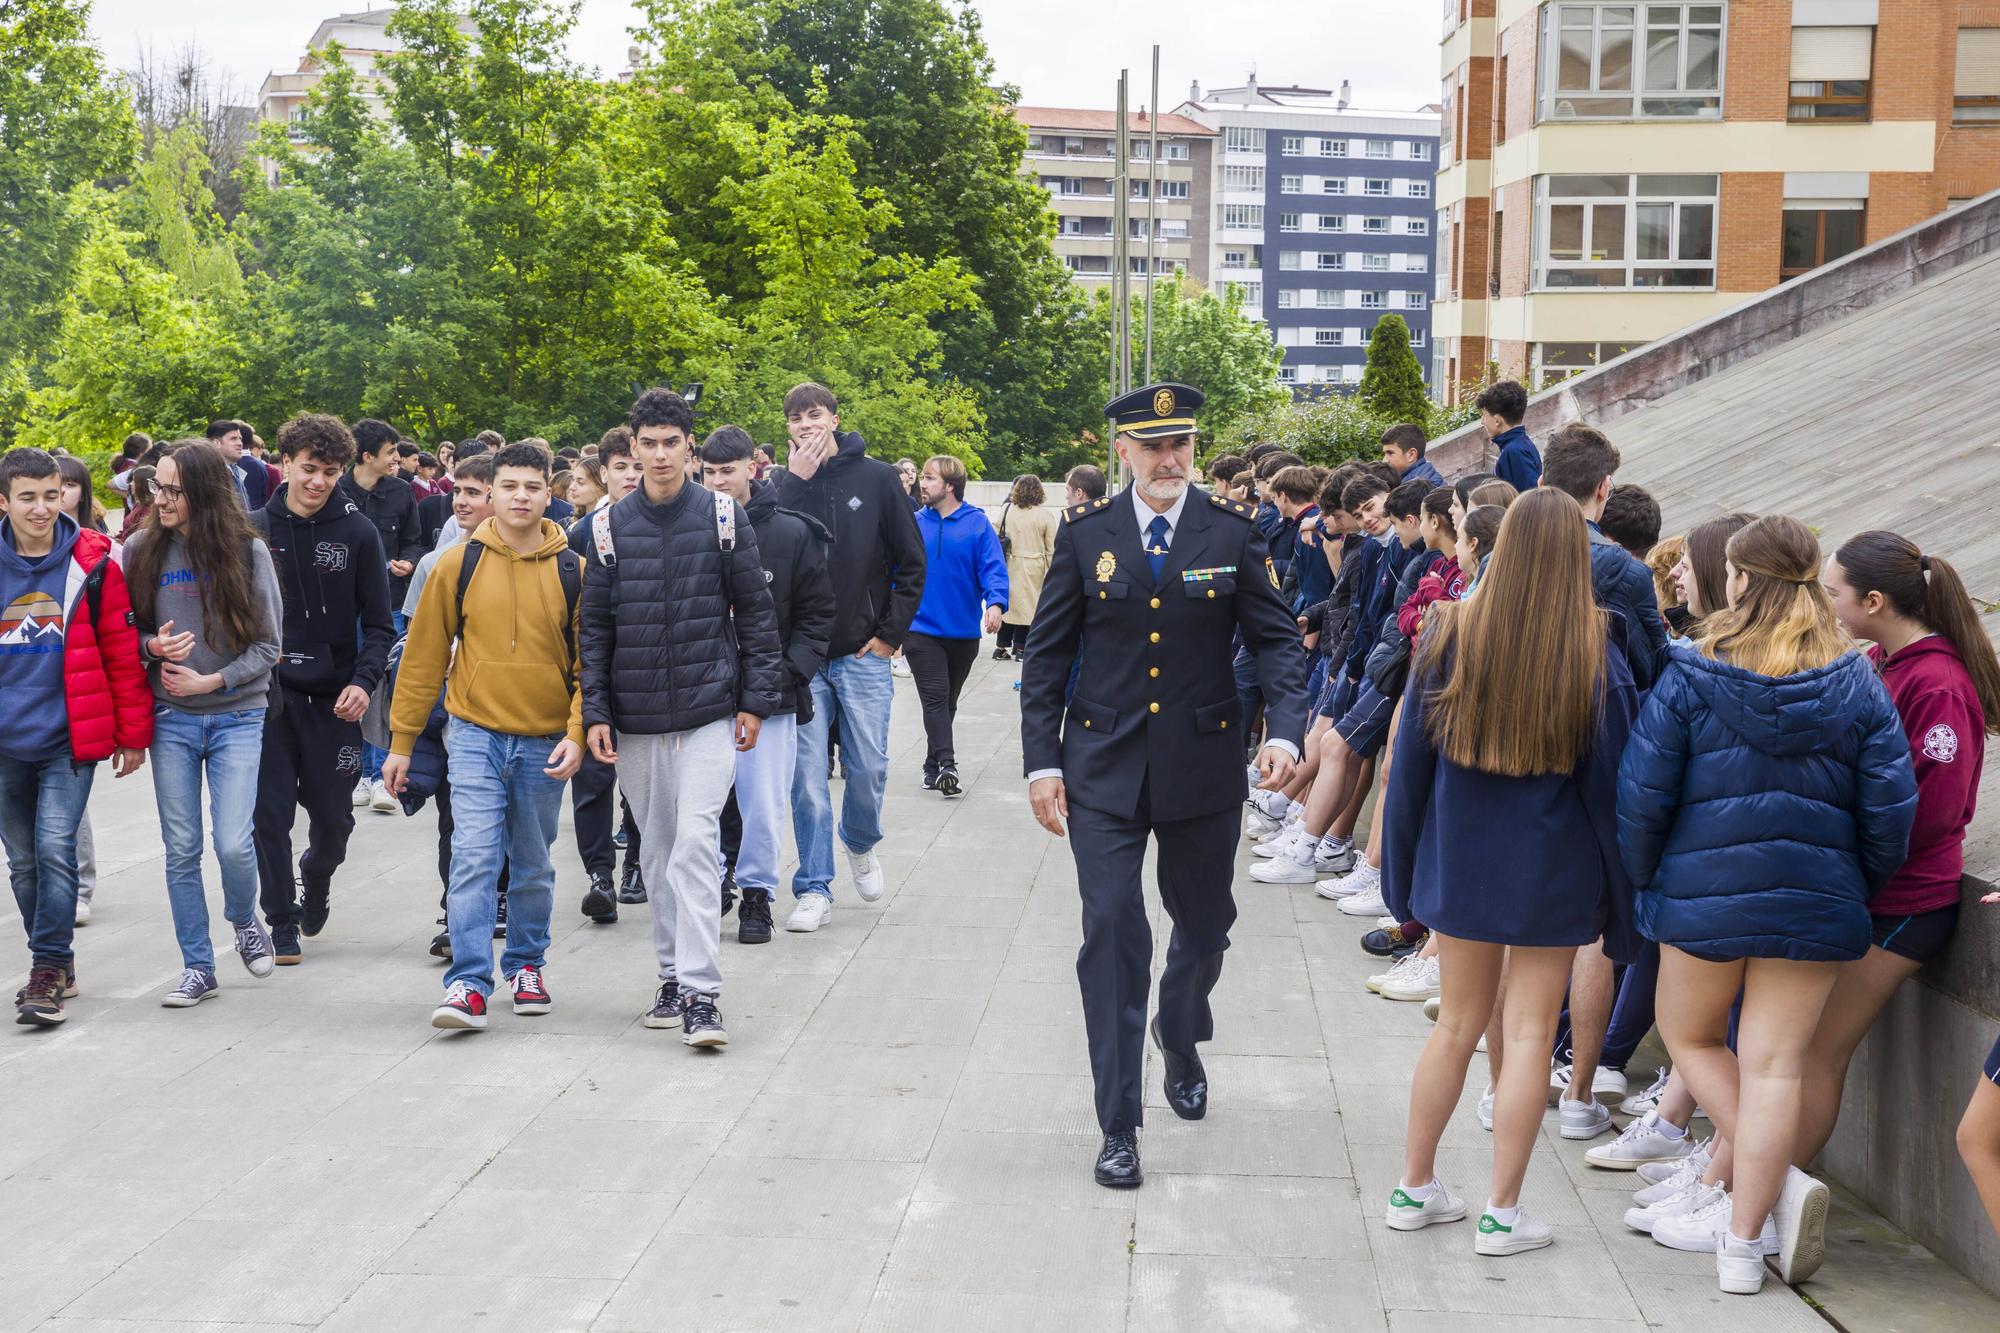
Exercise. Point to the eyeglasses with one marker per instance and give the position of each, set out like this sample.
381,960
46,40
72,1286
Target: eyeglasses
171,494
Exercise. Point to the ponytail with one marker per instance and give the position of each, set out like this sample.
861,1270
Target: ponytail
1926,588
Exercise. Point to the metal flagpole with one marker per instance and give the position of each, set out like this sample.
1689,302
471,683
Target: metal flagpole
1152,207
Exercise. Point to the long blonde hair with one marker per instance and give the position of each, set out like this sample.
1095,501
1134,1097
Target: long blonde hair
1525,658
1783,623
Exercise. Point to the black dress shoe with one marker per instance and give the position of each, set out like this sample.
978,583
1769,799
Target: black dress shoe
1118,1161
1186,1082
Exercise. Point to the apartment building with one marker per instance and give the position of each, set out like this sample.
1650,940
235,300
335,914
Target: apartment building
1611,171
364,37
1072,153
1321,220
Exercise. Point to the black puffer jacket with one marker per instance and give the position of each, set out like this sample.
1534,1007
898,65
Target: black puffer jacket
877,561
793,548
660,651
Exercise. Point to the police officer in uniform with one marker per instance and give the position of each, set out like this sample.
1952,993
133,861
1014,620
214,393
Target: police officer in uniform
1150,586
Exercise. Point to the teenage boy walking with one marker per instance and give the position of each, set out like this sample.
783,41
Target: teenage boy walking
375,486
503,647
76,694
679,668
877,563
331,570
965,591
793,549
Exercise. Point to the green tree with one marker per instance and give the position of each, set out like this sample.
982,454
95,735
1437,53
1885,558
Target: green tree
1203,339
1392,383
63,125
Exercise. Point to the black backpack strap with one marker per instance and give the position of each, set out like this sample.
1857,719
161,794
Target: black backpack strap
569,568
93,590
466,568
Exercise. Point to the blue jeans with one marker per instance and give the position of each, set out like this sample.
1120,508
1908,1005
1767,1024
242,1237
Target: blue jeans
864,689
373,755
41,802
765,774
230,747
504,811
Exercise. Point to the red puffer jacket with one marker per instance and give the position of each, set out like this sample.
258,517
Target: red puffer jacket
110,703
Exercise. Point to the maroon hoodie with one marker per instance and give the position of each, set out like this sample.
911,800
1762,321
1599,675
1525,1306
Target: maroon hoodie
1934,696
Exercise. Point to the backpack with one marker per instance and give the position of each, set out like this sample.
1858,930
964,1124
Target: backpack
568,568
607,554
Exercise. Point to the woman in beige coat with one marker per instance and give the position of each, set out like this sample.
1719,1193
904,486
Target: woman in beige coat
1028,535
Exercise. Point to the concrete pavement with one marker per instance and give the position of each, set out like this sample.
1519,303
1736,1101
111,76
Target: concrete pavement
899,1136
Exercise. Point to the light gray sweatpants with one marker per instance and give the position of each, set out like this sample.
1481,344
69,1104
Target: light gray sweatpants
676,785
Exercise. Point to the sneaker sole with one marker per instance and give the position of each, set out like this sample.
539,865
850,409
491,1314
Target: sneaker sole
1596,1158
1405,1220
1493,1249
39,1019
701,1040
1803,1248
1332,890
293,961
866,896
531,1009
661,1024
1741,1286
1584,1135
1348,908
760,937
948,787
1407,996
183,1002
451,1020
598,904
1282,879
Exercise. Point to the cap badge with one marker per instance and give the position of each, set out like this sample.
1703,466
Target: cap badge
1163,403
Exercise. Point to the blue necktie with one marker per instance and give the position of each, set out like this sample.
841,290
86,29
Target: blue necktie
1156,546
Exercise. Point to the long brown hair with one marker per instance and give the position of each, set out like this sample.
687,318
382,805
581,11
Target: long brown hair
1707,552
1928,590
1524,660
1783,623
217,534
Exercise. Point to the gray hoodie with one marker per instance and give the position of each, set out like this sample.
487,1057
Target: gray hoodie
246,676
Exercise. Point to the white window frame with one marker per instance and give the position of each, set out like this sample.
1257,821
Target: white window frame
1288,298
1416,337
1241,259
1639,101
1293,145
1291,184
1641,192
1369,187
1252,294
1173,229
1378,148
1330,222
1374,263
1416,226
1290,261
1242,139
1330,298
1375,226
1330,261
1289,222
1420,150
1374,300
1243,178
1288,374
1419,189
1414,301
1333,185
1332,147
1173,190
1243,217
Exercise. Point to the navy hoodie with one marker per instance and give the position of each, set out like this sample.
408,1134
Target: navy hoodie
334,578
877,560
32,589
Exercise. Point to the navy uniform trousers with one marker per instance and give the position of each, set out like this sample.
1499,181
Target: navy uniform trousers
1197,861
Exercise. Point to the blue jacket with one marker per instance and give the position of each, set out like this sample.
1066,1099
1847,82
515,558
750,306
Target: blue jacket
1310,574
1375,599
1422,470
1620,584
1756,815
965,572
1454,854
1520,462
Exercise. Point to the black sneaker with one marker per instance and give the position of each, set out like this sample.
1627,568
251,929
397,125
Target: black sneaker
947,781
618,837
598,898
666,1010
999,654
441,945
930,779
285,942
500,919
729,890
315,900
753,922
701,1025
632,889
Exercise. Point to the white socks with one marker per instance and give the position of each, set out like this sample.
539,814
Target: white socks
1421,1193
1506,1217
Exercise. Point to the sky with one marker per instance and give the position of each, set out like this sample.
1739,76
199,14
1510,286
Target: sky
1058,52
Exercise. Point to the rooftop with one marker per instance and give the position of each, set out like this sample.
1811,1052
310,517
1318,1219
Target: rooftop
1106,122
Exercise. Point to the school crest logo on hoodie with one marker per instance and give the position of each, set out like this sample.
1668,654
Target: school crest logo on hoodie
1941,743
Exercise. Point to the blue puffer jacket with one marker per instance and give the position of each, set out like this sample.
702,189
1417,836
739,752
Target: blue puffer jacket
1757,814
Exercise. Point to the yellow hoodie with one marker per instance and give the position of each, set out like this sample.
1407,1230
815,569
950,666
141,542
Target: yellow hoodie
514,671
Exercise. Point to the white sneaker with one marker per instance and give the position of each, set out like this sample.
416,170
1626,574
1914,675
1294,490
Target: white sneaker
1341,889
1584,1120
1402,967
1282,842
82,912
1368,902
1420,984
1435,1006
1485,1109
810,913
1257,824
1800,1219
867,873
1689,1197
899,666
361,794
1642,1141
1496,1238
1283,870
380,800
1407,1214
1739,1265
1639,1103
1697,1231
1559,1073
1607,1083
1673,1176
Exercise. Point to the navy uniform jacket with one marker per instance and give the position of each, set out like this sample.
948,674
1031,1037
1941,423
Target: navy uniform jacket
1156,692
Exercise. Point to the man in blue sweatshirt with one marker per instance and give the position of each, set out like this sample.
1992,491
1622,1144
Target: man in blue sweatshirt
963,570
1501,408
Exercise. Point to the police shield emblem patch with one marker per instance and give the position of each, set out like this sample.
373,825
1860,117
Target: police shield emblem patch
1107,565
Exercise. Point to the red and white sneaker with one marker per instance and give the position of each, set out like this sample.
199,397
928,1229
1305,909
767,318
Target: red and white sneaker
530,995
463,1008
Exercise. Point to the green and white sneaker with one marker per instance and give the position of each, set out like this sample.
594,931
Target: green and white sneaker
1410,1214
1496,1238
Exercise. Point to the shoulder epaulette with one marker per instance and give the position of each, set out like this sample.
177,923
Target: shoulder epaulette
1075,512
1236,507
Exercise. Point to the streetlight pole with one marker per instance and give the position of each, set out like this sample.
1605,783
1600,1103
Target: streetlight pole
1152,206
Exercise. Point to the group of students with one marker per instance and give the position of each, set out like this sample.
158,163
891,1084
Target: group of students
683,640
1719,784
